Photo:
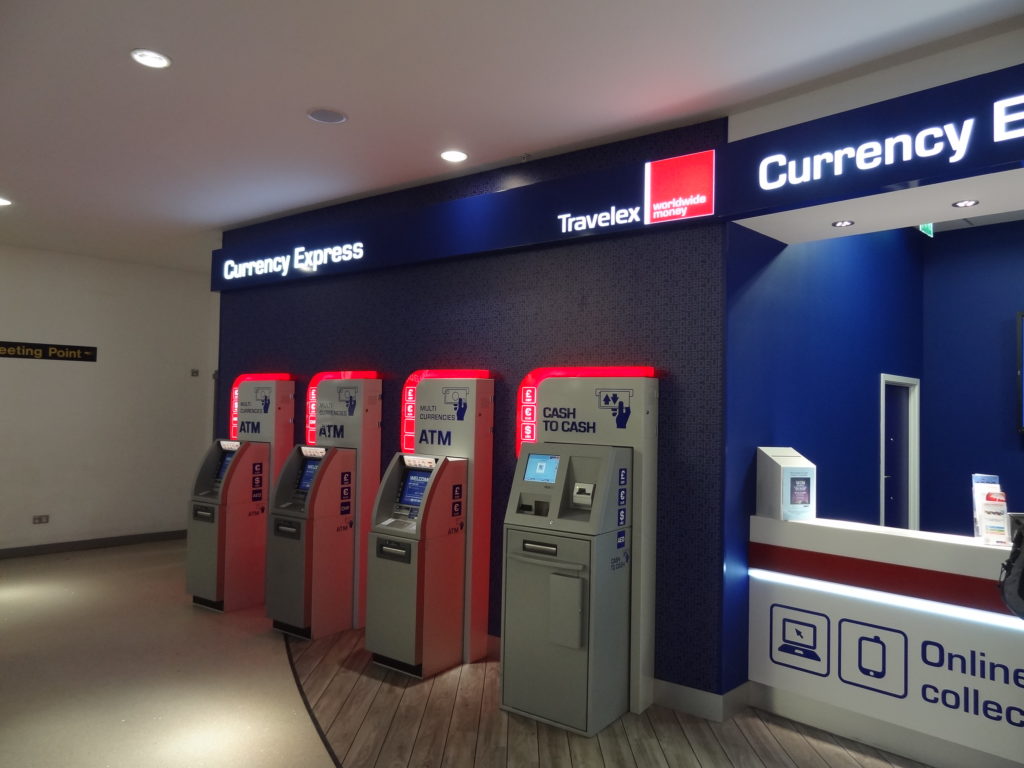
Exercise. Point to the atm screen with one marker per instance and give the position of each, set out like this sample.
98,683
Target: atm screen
541,468
413,485
309,467
225,459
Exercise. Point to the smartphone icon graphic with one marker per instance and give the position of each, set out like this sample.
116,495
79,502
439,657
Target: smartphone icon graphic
871,656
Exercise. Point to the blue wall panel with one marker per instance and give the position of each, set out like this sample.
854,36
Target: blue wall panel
973,289
809,333
655,297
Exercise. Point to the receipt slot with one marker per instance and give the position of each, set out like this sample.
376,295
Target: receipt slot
321,512
226,550
415,598
577,585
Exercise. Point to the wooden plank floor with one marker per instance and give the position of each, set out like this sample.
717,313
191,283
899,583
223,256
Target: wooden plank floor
373,717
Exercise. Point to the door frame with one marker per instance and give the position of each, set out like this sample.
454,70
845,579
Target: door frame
913,447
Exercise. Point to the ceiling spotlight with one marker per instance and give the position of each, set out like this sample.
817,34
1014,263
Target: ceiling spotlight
454,155
4,201
965,203
842,223
151,59
324,115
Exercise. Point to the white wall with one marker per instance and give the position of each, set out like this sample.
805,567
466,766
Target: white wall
1001,50
107,448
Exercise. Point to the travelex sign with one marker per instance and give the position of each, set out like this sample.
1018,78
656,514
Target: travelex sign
615,200
674,189
962,129
957,130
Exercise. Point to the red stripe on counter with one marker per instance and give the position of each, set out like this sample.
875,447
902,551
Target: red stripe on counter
968,591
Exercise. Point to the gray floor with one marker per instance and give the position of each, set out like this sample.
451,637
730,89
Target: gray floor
105,662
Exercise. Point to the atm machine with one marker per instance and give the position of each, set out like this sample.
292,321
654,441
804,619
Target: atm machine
417,576
320,516
225,555
565,626
578,552
429,549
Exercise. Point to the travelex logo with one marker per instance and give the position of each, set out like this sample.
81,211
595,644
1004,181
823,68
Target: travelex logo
951,141
679,188
676,188
301,259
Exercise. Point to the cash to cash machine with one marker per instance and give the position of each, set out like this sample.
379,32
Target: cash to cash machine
578,553
429,547
226,549
316,536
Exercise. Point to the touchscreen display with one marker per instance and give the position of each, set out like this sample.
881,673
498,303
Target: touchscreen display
309,467
541,468
225,459
413,485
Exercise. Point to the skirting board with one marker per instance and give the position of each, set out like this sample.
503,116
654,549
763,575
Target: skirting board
710,706
877,733
74,546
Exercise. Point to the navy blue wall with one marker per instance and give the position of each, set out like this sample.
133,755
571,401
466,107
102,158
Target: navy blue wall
809,331
654,297
973,289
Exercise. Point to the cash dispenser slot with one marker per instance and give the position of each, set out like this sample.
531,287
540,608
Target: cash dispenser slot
288,529
540,549
203,514
394,550
536,507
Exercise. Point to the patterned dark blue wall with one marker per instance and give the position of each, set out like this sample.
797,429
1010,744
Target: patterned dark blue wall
654,298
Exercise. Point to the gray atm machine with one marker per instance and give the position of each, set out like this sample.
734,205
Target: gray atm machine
224,558
565,635
318,521
417,552
311,546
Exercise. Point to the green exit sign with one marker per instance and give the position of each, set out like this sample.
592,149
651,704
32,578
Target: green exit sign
928,229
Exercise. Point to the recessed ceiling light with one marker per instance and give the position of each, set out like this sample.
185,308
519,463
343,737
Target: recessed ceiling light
842,223
965,203
151,59
454,155
4,201
324,115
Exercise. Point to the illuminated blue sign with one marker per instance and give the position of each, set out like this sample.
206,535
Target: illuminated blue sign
962,129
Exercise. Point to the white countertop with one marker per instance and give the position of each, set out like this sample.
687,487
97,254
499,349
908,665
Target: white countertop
944,552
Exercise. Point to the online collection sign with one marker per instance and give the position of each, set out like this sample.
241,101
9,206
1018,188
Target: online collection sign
957,676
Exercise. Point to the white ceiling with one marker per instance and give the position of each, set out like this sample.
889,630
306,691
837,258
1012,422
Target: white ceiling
104,158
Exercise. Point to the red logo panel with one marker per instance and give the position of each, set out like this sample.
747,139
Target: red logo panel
679,188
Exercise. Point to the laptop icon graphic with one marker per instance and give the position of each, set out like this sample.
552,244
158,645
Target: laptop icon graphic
799,639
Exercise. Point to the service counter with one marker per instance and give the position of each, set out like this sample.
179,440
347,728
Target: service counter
892,637
959,570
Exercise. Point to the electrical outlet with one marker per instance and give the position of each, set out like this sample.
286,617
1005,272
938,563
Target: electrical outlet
40,519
